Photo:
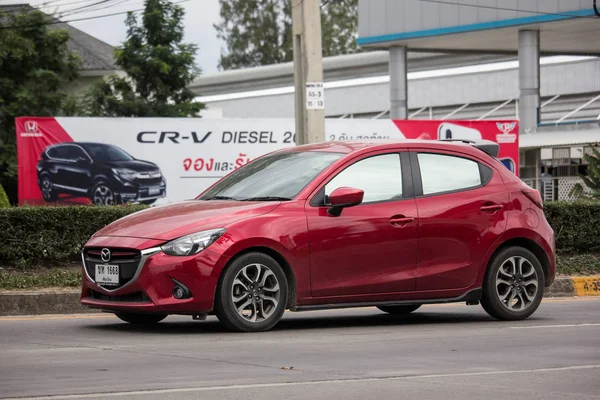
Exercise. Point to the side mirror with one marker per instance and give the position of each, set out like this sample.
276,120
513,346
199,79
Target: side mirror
344,197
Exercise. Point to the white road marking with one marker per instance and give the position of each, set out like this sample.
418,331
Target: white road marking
553,326
284,384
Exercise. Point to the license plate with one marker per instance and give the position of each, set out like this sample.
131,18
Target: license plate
153,191
107,274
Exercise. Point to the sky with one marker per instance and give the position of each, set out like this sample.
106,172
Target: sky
200,15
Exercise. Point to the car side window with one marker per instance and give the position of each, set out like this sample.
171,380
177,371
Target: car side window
380,177
75,152
444,173
59,152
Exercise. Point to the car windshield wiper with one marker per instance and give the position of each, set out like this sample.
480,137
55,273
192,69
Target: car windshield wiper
266,198
219,198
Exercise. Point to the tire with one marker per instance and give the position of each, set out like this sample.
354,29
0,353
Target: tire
49,193
141,319
514,285
241,286
399,310
102,194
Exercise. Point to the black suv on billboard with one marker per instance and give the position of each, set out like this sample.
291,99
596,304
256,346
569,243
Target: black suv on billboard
104,173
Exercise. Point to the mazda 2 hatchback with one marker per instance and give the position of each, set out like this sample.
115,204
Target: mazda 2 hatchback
393,225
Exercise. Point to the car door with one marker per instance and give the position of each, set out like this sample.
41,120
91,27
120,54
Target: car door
60,164
370,248
463,208
78,173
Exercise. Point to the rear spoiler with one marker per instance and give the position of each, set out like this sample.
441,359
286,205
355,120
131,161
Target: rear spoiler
487,146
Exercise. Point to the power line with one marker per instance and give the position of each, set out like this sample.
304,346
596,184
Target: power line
82,19
94,7
505,9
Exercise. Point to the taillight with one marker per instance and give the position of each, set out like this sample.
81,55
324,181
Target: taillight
534,196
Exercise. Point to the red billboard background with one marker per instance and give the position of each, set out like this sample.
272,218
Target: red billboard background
208,141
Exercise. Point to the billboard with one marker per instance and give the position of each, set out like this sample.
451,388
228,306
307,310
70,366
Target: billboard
71,160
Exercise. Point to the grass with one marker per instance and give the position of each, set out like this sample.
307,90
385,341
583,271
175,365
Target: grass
70,276
578,264
13,279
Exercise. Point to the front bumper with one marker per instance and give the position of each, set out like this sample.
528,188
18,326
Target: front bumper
140,191
151,288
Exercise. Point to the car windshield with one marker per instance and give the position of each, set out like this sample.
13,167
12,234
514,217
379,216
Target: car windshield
272,177
104,152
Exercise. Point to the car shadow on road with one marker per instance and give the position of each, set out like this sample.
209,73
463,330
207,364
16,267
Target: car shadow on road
311,321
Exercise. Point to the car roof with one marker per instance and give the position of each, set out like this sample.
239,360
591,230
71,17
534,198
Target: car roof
348,147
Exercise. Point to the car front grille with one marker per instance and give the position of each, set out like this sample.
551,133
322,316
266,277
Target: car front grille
128,261
135,297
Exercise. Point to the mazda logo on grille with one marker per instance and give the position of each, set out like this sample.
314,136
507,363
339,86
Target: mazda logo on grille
105,254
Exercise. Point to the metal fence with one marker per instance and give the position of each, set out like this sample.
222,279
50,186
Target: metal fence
553,189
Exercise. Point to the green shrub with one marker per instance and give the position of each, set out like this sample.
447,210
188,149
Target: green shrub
32,236
576,225
4,203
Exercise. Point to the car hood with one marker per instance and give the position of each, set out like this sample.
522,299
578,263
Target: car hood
135,165
179,219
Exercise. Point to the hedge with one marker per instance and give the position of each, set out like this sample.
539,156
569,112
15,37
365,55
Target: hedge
576,225
34,236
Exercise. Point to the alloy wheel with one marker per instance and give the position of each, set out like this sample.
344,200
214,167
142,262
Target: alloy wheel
255,292
517,283
103,195
46,188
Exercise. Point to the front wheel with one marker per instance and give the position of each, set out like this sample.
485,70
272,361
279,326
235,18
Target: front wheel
141,319
514,285
102,194
252,295
399,310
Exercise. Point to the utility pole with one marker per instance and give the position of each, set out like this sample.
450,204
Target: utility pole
309,99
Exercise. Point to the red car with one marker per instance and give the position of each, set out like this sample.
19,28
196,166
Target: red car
332,225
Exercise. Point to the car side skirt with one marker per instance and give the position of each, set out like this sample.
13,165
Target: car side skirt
472,296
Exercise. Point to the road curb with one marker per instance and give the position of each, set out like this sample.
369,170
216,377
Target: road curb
36,303
67,302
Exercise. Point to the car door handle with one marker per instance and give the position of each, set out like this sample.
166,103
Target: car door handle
401,221
491,209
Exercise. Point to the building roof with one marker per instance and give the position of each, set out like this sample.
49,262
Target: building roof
95,54
348,66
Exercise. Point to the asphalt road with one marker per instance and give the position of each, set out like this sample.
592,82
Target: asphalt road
442,352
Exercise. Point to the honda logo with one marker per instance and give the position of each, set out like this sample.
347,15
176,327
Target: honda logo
31,126
105,255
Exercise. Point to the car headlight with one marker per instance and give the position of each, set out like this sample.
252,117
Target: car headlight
125,173
192,244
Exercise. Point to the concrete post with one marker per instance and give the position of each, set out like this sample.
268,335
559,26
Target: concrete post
308,67
529,80
398,83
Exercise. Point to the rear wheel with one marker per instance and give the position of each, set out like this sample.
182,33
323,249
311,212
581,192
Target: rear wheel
252,295
399,310
48,191
514,284
141,319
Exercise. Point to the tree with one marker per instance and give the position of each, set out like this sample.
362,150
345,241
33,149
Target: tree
591,178
158,69
34,65
3,198
259,32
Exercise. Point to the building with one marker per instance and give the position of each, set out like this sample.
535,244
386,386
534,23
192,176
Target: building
531,60
97,60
